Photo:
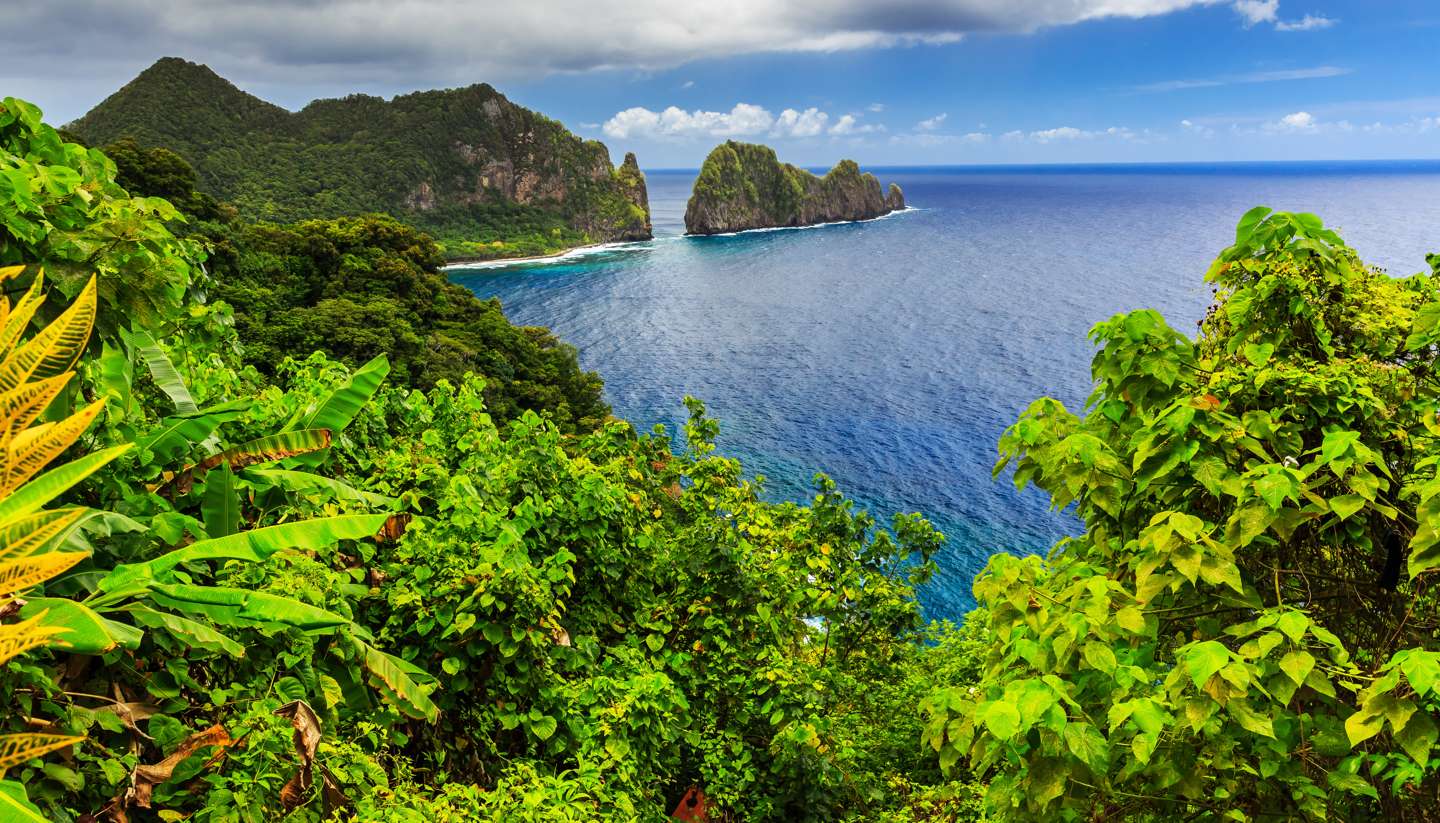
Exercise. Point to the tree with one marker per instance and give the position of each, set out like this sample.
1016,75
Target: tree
1248,626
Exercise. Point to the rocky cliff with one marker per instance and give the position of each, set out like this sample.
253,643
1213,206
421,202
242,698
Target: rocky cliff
488,177
745,186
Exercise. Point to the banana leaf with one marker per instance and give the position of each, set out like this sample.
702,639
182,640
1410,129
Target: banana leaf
163,371
307,483
254,545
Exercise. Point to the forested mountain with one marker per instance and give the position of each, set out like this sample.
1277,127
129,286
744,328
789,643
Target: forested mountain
485,176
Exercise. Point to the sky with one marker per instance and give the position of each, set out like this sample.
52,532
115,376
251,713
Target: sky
886,82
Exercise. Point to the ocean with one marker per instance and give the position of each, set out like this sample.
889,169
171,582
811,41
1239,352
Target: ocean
891,354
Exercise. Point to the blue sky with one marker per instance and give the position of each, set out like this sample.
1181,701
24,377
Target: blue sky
883,81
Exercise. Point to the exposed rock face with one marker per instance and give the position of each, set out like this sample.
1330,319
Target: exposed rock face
456,161
745,186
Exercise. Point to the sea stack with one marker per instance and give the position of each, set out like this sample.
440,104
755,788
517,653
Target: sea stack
745,186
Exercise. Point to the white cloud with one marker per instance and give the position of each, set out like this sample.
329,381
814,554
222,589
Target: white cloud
1256,12
674,122
1310,22
688,84
1191,127
743,120
1065,133
1274,76
850,125
807,123
1300,121
875,108
933,123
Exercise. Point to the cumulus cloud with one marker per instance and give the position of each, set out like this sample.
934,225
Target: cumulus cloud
409,43
1065,133
1300,121
1197,129
1256,12
807,123
849,125
933,123
743,120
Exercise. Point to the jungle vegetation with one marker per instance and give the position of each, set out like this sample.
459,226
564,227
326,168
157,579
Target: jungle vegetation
355,588
484,176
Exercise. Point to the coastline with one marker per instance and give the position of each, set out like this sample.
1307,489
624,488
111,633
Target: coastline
485,262
473,264
808,225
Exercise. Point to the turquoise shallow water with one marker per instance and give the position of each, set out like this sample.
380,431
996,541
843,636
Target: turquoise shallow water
892,354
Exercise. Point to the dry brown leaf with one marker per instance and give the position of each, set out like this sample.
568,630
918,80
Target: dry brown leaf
146,778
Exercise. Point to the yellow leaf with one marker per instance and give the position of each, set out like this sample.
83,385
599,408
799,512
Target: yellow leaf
34,448
18,638
18,748
17,320
56,348
18,575
22,536
22,404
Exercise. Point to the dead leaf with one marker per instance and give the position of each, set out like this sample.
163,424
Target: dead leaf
307,740
394,528
146,778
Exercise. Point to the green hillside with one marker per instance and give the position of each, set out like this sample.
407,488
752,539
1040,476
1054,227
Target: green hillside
485,176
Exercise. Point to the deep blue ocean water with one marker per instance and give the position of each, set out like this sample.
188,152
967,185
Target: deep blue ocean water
892,354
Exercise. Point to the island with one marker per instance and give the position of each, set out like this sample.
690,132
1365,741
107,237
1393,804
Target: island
745,186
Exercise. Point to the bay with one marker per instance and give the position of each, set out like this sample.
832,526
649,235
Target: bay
891,354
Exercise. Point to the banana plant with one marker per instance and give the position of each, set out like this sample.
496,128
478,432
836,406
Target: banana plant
160,594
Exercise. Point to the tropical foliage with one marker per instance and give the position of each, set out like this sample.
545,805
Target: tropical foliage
1247,628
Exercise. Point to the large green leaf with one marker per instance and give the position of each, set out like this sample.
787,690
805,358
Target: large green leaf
221,506
178,435
305,482
240,607
267,449
336,412
254,545
163,371
50,485
15,805
86,632
190,632
388,675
